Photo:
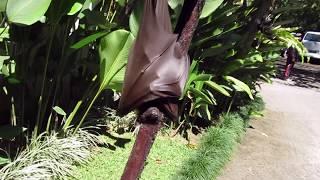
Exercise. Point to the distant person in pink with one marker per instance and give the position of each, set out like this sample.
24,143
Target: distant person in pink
291,59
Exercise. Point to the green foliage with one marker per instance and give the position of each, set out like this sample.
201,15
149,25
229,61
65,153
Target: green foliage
49,156
58,83
3,5
9,132
215,150
4,161
217,87
89,40
285,37
217,145
114,51
85,39
165,159
297,13
134,19
67,124
198,92
2,60
175,3
76,7
239,85
209,7
235,54
26,12
7,67
59,110
253,109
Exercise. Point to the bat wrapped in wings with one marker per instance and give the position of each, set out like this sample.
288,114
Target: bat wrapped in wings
157,69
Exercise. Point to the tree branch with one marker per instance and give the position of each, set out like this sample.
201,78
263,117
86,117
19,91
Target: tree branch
188,22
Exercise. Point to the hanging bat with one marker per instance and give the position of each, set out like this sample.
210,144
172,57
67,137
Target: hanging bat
156,73
157,69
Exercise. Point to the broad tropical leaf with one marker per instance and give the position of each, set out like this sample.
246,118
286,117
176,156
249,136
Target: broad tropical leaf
193,71
233,66
88,40
114,50
175,3
59,8
75,8
209,7
217,87
134,19
198,94
240,86
26,11
3,4
202,77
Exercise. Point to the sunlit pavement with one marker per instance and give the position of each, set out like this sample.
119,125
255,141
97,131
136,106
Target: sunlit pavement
285,143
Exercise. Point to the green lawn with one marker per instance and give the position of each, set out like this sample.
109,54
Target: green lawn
165,159
171,158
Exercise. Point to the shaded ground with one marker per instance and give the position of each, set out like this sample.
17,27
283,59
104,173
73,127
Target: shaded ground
303,75
285,144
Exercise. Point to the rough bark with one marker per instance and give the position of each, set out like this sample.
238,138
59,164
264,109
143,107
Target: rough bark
151,121
188,22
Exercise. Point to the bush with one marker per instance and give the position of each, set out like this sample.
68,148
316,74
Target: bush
50,157
218,143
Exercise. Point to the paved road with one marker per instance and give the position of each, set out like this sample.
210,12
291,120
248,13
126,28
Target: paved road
285,143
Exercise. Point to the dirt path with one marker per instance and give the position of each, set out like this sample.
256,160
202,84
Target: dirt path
285,143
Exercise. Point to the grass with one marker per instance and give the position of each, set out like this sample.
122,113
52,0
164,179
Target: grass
218,144
215,150
166,157
50,157
171,158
